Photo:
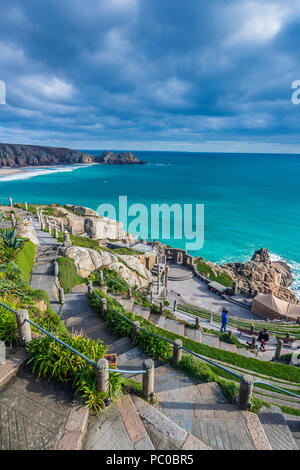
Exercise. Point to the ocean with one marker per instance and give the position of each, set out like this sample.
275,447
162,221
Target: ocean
251,201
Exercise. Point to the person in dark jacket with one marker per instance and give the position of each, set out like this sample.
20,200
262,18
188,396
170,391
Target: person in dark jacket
263,337
224,320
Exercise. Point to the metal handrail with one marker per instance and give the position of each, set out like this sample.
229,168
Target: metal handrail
277,388
70,347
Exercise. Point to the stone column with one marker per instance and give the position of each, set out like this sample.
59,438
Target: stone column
26,206
72,230
198,323
230,334
174,306
129,293
24,330
101,278
61,295
278,351
211,318
67,240
166,276
103,307
148,379
13,220
135,329
62,226
90,287
56,232
253,342
161,308
11,202
177,351
234,287
102,375
245,395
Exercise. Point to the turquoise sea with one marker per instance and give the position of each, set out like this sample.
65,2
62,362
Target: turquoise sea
251,200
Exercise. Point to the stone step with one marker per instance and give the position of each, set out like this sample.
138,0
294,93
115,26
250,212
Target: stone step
293,423
119,427
194,334
120,346
174,326
202,410
161,322
277,429
278,401
228,347
14,359
211,340
141,311
126,303
163,432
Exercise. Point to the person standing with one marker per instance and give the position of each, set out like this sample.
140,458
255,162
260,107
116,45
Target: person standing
224,320
263,337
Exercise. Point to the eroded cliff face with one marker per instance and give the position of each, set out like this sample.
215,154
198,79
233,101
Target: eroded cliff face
15,155
123,158
263,275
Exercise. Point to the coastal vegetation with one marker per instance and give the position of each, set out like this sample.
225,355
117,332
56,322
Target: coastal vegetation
205,269
67,274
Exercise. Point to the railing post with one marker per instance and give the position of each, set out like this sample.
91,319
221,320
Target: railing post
129,293
26,206
253,342
245,395
56,232
174,306
24,330
252,328
103,307
177,351
101,278
230,334
11,202
278,351
104,289
161,308
148,379
102,375
198,323
135,329
55,269
61,295
211,318
90,287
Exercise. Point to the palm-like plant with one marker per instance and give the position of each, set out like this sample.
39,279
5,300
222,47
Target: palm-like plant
9,237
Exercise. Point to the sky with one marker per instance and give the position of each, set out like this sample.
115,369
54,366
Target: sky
186,75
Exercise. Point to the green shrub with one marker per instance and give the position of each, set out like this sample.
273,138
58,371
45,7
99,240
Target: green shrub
67,274
53,360
205,269
196,369
25,259
8,326
59,326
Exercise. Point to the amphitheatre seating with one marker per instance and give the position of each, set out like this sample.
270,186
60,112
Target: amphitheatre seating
249,332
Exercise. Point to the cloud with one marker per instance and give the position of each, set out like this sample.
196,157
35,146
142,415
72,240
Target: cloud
149,73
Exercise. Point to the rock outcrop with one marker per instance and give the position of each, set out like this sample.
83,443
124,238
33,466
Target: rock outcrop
18,155
14,155
262,275
88,260
123,158
25,229
83,211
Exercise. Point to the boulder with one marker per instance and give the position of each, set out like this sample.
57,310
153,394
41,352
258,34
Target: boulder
103,228
133,279
25,229
83,211
133,263
88,260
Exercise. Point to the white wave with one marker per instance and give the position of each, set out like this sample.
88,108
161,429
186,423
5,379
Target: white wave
26,173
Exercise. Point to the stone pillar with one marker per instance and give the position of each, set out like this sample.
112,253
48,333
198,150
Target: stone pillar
230,334
166,276
56,232
151,296
148,379
67,240
42,225
102,376
177,351
72,230
11,202
90,287
234,287
278,350
101,278
129,293
56,269
26,206
62,226
253,342
24,330
174,306
13,220
104,289
103,307
211,318
245,395
252,328
198,323
161,308
61,295
135,329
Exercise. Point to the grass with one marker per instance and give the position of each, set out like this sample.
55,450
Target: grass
25,259
205,269
67,274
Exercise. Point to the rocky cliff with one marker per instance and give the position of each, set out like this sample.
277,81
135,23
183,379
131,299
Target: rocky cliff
263,275
123,158
14,155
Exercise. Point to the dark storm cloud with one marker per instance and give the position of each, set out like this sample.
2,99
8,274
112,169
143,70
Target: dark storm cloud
150,73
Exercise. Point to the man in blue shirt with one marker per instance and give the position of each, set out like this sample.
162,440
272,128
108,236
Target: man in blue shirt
224,320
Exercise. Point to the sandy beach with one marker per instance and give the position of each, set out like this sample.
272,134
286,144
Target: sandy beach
12,171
